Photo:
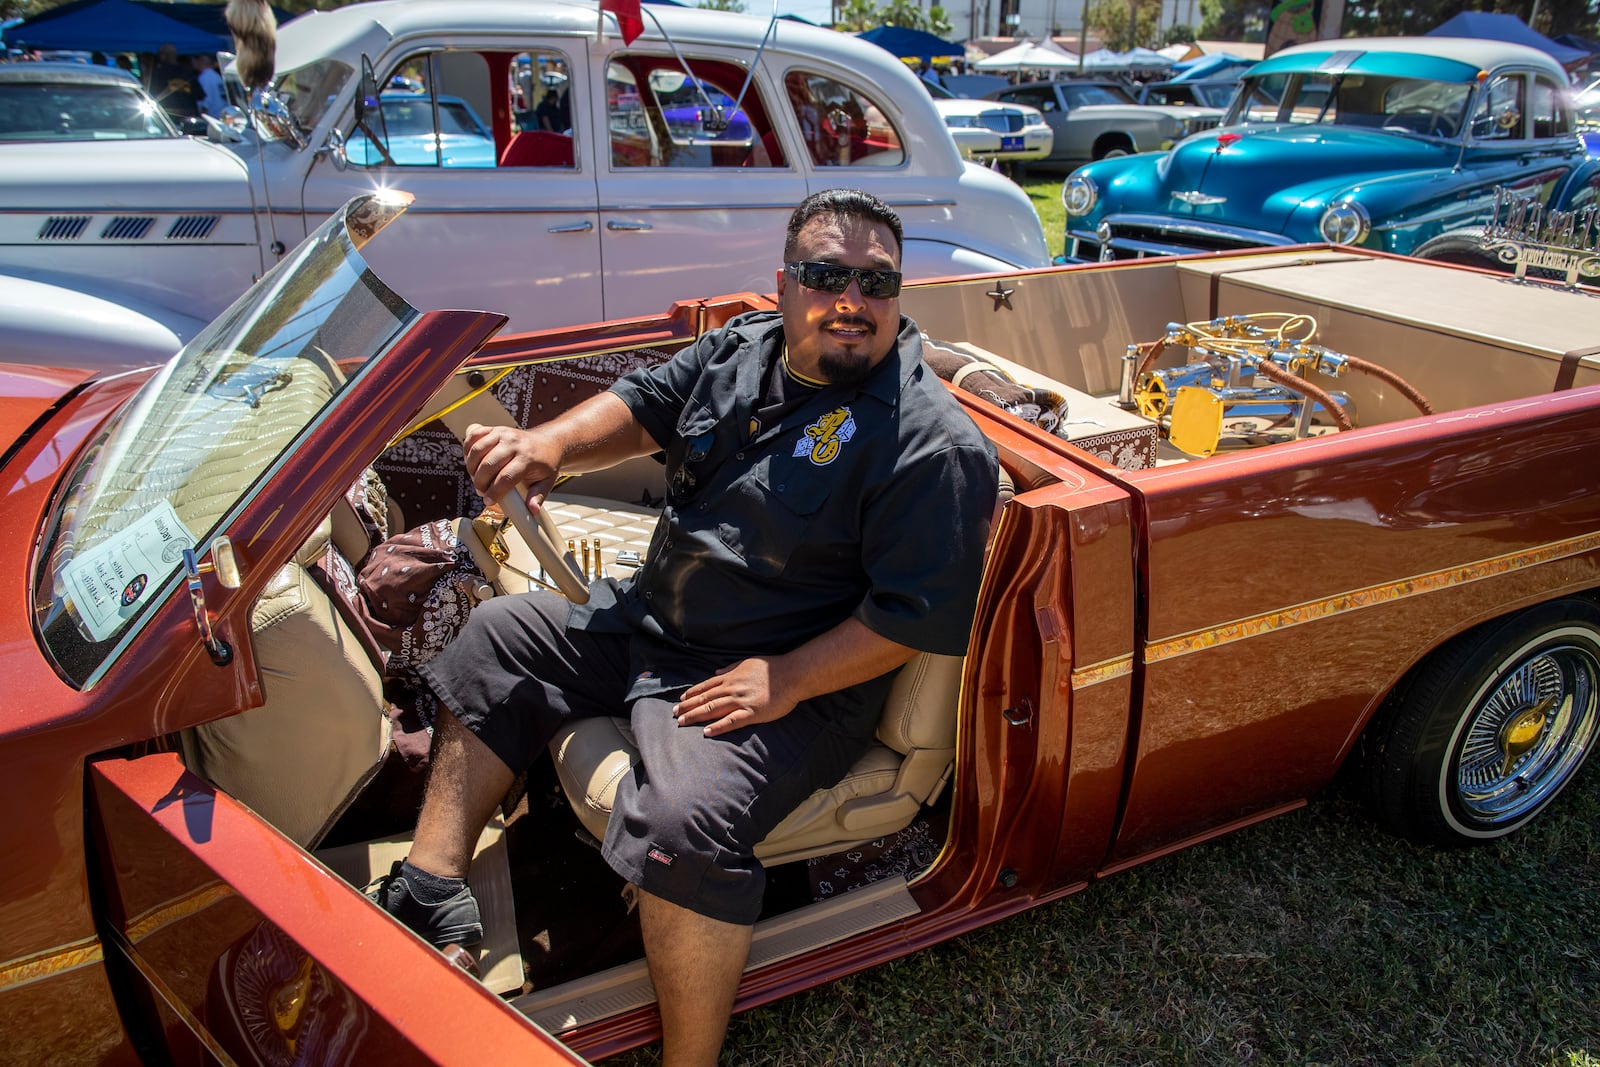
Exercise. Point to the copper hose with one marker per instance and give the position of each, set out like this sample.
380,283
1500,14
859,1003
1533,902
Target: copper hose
1393,379
1152,353
1269,369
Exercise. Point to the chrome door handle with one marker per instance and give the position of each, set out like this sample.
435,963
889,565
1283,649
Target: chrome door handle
628,226
576,227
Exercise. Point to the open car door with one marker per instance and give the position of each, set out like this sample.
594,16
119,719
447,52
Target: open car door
231,943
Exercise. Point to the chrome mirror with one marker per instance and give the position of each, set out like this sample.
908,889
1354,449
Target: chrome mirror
333,148
273,120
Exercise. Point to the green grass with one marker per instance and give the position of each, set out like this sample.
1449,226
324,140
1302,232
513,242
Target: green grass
1311,939
1044,189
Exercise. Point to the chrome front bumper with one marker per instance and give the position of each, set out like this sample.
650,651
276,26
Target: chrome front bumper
1135,236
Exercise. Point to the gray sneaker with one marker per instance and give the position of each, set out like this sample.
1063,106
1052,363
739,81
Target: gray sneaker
452,921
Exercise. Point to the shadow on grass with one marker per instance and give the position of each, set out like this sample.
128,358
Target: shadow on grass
1310,939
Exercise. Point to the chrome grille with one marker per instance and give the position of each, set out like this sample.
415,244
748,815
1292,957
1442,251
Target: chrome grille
1002,121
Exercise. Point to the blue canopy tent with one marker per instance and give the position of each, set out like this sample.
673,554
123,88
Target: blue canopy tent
1218,66
125,26
1488,26
911,44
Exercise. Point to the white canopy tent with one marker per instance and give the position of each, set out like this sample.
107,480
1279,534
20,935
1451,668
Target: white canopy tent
1030,55
1104,61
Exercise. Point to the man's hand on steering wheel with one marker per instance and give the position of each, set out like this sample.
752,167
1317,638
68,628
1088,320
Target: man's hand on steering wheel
739,695
502,458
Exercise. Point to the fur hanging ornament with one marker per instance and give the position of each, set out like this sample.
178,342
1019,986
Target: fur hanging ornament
255,40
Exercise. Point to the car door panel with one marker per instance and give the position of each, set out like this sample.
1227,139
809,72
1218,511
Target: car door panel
669,190
251,950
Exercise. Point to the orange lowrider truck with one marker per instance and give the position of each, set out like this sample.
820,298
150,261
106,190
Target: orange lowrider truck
1263,514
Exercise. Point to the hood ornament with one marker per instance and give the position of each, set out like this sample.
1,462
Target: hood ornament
1198,199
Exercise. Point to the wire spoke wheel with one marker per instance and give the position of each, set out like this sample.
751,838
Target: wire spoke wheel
1524,740
1484,733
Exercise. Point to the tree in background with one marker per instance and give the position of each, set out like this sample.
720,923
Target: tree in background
1235,20
1118,28
1378,18
1178,33
857,16
736,6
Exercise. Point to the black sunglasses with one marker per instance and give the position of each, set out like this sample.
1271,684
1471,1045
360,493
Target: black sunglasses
833,278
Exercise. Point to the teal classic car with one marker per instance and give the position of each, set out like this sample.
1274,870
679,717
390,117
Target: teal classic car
1395,144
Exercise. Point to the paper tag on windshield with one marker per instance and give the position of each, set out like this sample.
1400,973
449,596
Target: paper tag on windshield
109,581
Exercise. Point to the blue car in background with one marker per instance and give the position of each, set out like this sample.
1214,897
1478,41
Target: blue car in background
1394,144
463,140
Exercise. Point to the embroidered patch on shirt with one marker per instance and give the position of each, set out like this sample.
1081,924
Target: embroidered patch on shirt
661,855
823,438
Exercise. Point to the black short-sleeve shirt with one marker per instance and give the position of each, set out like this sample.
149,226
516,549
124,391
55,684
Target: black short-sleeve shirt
869,500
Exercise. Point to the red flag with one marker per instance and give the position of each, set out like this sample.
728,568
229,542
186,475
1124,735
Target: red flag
629,21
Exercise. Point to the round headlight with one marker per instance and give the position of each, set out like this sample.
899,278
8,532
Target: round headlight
1078,194
1345,223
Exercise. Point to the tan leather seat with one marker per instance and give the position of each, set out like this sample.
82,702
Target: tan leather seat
322,731
905,768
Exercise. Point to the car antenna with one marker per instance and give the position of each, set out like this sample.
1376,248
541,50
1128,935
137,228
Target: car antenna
253,27
716,121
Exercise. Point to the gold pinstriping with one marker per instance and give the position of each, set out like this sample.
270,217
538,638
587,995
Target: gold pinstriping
142,926
1096,673
53,961
1371,596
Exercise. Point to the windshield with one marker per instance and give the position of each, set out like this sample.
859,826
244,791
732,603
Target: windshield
191,447
311,89
63,111
1398,105
1092,95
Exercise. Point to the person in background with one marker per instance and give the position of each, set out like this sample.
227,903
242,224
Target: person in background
929,74
172,84
212,97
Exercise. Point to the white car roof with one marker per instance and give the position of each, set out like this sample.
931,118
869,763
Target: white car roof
369,27
1485,55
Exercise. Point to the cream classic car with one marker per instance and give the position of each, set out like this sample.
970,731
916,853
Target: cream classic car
118,253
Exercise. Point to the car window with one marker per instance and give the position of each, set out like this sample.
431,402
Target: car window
1546,108
433,107
311,88
64,111
842,126
1042,98
660,114
1500,111
1087,95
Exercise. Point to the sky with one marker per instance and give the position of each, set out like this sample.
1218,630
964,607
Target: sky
818,11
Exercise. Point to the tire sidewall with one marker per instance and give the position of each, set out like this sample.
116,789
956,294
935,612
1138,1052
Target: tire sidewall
1439,750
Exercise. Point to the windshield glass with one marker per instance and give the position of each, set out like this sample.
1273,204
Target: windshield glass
191,447
63,111
1092,95
312,88
1398,105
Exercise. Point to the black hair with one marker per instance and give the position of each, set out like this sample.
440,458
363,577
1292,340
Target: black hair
841,203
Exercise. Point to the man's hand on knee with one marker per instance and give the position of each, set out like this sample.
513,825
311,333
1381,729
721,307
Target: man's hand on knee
746,693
